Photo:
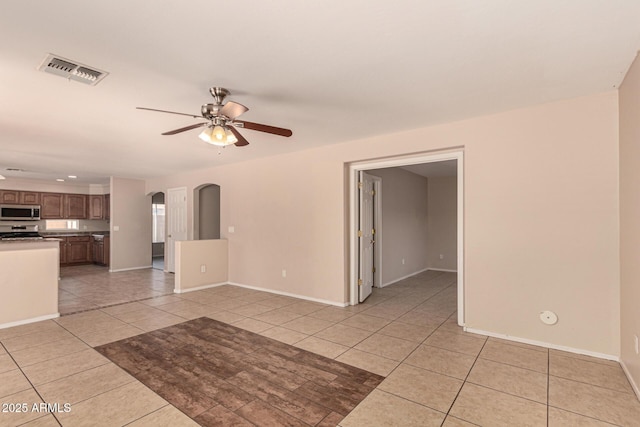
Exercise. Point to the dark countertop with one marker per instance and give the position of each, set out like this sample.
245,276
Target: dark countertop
72,233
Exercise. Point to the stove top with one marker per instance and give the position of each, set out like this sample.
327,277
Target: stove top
19,232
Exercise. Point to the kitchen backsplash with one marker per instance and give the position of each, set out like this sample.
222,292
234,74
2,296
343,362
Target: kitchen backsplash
85,224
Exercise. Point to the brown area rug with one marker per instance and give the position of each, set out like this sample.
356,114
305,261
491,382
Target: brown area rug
221,375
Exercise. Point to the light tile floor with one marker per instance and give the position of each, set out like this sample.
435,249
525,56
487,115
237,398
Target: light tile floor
87,287
436,374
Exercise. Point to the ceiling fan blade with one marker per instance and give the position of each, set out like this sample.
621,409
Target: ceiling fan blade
241,140
233,109
264,128
170,112
186,128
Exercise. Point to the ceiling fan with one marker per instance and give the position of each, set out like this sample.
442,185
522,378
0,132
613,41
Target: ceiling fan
221,121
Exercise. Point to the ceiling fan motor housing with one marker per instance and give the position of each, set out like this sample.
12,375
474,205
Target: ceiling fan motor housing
219,94
210,111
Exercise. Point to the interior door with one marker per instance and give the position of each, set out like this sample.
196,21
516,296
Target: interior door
365,235
176,223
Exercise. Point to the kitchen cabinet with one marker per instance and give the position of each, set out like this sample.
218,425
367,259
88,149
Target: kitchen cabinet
107,206
29,198
9,197
51,206
96,206
14,197
75,250
101,250
75,206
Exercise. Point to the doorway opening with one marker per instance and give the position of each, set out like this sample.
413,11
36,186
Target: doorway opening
408,164
158,230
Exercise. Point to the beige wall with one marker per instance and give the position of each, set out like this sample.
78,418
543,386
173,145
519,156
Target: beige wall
29,274
192,255
541,218
131,213
630,219
442,223
404,223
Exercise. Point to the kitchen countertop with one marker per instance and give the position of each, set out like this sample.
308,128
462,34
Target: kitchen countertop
72,233
14,245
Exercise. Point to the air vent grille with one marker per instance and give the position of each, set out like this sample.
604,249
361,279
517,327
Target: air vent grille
72,70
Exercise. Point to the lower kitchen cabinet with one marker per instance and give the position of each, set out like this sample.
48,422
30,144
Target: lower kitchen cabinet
101,250
75,250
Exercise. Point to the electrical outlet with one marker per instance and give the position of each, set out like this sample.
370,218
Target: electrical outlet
636,344
231,229
402,261
441,256
284,273
203,268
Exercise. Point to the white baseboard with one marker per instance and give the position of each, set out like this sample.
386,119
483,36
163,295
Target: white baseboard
634,386
289,294
404,277
129,269
444,270
31,320
199,288
545,344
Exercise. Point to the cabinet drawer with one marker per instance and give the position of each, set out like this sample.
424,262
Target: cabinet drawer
79,239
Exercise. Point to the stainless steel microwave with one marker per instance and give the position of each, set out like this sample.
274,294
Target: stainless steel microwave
19,212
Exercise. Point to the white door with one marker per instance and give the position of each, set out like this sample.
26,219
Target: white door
366,235
176,223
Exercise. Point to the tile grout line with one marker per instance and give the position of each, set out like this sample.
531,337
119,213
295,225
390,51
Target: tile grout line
33,387
466,377
548,382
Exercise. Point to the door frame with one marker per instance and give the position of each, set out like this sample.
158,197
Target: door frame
355,167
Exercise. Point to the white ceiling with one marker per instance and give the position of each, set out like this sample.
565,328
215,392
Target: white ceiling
331,71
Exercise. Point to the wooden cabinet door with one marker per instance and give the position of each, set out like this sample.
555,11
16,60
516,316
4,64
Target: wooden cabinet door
98,256
29,198
105,250
63,251
75,206
96,206
107,206
78,250
9,197
52,206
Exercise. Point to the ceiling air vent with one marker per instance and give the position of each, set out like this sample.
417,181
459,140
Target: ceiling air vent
72,70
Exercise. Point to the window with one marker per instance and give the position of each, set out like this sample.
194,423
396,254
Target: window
62,224
157,211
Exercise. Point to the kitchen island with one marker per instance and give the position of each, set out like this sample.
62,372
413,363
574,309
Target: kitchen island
29,272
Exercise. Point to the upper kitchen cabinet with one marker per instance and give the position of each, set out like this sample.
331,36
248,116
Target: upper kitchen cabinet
75,206
51,206
29,198
14,197
107,206
96,206
9,197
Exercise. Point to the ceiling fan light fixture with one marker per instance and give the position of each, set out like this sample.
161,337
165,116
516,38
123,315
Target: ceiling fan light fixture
231,138
209,136
205,135
219,133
